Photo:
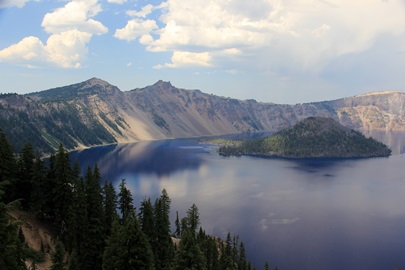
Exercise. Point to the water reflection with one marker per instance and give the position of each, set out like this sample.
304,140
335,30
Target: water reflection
161,158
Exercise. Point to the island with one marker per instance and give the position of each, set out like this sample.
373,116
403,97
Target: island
313,137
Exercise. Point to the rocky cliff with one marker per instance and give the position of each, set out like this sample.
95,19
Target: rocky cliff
94,112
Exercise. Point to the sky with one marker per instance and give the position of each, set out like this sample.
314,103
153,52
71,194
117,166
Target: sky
281,51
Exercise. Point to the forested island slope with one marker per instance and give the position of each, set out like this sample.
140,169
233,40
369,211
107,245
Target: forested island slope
95,112
314,137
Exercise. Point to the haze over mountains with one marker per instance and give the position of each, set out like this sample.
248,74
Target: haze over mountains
95,112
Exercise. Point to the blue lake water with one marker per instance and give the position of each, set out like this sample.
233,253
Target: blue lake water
297,214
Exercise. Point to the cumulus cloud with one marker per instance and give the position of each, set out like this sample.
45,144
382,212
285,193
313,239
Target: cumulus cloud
75,15
295,33
66,50
188,59
117,1
71,28
137,28
12,3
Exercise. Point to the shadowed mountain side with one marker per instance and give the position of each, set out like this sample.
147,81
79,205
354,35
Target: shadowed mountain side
95,112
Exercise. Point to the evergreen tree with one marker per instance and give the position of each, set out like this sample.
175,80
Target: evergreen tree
11,256
77,218
73,261
193,218
266,266
242,257
127,247
164,251
189,255
226,260
177,233
125,200
57,257
91,257
23,185
147,221
62,192
7,168
110,206
38,186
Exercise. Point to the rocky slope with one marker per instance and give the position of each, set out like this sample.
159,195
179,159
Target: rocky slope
94,112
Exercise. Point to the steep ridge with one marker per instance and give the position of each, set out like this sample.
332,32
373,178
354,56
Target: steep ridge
95,112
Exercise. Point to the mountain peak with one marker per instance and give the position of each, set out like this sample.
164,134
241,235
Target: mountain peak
163,84
95,81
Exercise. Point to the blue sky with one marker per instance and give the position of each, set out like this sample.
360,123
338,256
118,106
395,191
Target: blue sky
282,51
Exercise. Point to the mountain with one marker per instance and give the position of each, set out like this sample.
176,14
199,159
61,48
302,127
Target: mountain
95,112
313,137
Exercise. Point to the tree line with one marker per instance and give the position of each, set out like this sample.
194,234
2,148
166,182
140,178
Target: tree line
98,227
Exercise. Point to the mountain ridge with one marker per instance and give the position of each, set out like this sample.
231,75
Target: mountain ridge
95,112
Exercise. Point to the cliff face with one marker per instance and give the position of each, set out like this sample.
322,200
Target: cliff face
95,112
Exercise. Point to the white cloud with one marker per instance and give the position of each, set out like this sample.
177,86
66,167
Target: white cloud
136,28
145,11
117,1
12,3
186,59
297,34
71,28
77,15
66,50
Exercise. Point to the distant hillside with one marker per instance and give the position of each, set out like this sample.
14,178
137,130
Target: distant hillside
314,137
95,112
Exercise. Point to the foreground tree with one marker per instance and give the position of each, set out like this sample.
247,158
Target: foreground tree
127,247
164,250
57,257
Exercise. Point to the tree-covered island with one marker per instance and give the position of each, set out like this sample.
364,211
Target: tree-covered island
313,137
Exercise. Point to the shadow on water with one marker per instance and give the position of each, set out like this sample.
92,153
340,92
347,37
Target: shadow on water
161,158
325,165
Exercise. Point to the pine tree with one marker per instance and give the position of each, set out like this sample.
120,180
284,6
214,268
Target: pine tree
7,168
164,251
77,215
57,257
147,221
91,257
110,206
38,187
127,247
189,255
242,257
125,200
226,260
266,266
193,218
73,262
62,192
11,255
177,233
23,185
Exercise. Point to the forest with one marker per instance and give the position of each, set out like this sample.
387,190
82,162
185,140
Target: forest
97,227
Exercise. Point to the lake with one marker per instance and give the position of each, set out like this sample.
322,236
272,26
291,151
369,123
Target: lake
297,214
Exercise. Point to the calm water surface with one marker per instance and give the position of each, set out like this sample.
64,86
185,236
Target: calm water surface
297,214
